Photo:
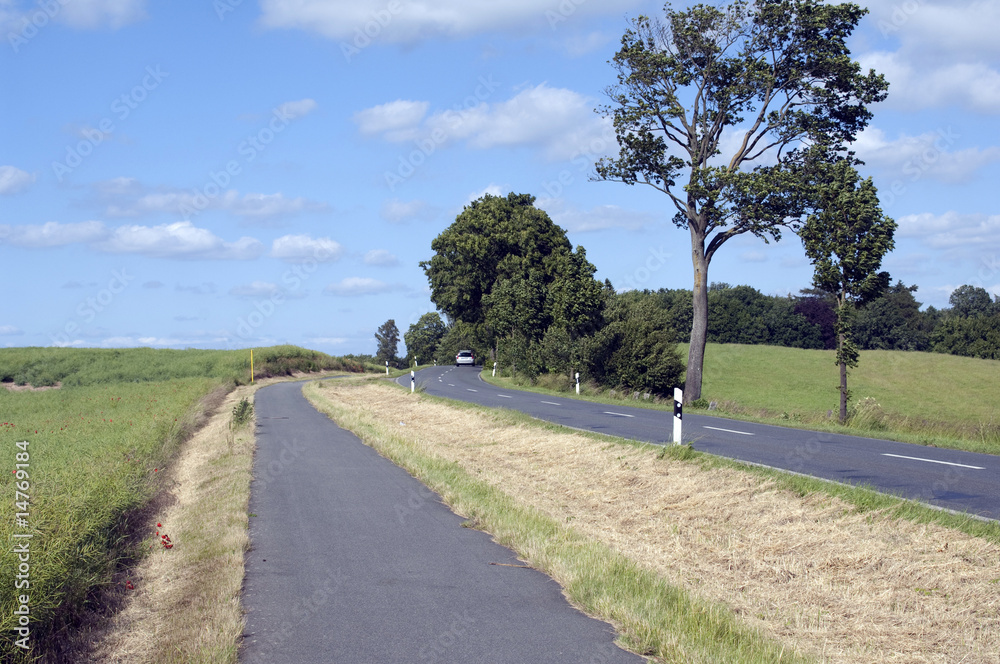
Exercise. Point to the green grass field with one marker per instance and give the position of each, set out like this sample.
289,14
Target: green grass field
920,394
91,455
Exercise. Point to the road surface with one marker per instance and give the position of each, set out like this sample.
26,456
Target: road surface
951,479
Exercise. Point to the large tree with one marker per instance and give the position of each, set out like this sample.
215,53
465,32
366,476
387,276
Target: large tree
423,337
387,337
505,269
770,81
846,238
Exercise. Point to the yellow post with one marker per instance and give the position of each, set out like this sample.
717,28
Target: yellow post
251,365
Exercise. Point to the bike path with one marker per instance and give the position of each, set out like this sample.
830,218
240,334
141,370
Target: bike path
352,560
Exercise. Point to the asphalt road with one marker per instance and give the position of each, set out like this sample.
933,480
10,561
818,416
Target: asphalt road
951,479
354,561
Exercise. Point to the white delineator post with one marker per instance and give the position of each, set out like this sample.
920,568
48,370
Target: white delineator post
678,414
387,367
413,381
578,382
494,368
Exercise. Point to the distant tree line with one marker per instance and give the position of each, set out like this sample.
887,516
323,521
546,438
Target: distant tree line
891,321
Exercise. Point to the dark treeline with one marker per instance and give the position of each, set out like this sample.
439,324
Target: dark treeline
893,321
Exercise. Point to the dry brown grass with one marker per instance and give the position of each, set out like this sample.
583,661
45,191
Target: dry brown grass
830,582
185,606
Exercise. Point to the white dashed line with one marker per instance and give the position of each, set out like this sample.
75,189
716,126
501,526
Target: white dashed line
946,463
608,412
552,403
505,396
742,433
471,390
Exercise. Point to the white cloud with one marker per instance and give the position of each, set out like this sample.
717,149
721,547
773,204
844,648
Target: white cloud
558,121
357,286
381,257
360,22
970,84
10,331
396,211
599,218
973,239
931,155
398,119
53,234
127,197
294,110
91,14
491,189
301,248
180,239
14,180
15,15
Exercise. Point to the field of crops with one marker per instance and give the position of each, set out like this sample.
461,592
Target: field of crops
83,460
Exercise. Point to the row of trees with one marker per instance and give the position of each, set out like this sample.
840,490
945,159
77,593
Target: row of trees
892,320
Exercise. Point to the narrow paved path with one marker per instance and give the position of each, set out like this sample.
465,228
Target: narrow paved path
354,561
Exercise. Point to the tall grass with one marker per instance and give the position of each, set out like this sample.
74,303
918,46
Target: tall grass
97,448
96,366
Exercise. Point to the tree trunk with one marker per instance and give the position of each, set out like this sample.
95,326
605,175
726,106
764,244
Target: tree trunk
843,383
699,322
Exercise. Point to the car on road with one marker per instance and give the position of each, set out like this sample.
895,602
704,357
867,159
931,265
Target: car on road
465,357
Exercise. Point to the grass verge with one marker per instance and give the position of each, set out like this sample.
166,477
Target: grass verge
184,605
828,579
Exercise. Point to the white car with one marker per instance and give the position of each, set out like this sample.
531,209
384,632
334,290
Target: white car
465,357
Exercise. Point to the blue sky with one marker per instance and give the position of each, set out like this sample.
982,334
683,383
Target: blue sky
232,173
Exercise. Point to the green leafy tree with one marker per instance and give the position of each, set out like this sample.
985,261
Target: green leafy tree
505,269
893,322
635,348
387,337
423,337
971,301
846,238
778,75
976,336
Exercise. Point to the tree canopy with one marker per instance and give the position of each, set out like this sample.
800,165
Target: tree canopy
775,74
504,268
846,238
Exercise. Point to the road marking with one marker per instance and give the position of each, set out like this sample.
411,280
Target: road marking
742,433
451,384
608,412
552,403
946,463
471,390
505,396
